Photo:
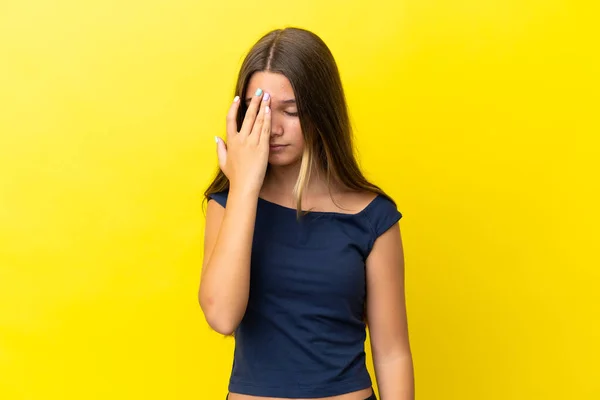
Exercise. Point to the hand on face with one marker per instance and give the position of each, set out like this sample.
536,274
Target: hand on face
245,157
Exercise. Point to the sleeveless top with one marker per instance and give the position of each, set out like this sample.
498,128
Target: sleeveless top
303,333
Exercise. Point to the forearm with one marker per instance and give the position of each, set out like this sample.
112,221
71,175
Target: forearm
395,377
225,283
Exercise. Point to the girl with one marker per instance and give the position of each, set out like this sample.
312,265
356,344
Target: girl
301,251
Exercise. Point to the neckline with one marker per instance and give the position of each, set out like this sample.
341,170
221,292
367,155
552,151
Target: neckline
308,212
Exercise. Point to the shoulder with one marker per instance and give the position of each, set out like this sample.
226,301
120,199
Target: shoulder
219,197
382,214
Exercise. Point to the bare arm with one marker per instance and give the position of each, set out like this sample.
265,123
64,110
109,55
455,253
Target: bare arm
386,314
225,279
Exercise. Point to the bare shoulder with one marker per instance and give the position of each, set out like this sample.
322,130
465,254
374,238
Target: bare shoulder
353,202
362,199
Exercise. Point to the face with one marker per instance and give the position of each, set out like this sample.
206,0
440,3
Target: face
287,142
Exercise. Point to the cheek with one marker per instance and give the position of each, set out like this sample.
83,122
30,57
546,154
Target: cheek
295,131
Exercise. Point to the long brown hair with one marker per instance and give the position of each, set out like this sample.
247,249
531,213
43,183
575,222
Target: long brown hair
306,61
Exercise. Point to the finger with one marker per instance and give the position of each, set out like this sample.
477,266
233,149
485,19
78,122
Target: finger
221,153
250,116
258,123
232,117
265,133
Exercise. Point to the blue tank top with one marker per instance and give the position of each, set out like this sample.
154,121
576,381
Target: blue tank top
303,333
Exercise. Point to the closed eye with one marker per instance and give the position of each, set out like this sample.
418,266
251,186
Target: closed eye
291,114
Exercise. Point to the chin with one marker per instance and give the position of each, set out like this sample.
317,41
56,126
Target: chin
280,160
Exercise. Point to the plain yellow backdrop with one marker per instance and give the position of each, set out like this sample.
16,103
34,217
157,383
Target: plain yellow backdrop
479,117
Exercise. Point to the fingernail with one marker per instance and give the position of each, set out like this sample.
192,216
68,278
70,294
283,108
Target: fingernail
258,92
267,109
236,99
216,139
266,97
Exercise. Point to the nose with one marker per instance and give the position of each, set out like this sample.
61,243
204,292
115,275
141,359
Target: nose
276,125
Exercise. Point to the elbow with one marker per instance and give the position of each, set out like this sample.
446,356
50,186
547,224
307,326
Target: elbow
223,326
223,330
220,322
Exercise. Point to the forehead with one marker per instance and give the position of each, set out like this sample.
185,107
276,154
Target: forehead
277,85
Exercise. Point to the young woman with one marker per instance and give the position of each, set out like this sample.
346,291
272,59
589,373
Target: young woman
301,251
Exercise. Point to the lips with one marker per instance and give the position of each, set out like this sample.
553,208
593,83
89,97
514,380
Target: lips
277,146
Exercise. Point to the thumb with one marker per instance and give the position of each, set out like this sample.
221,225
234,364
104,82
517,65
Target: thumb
221,152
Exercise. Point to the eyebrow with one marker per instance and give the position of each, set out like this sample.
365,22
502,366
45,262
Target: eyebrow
288,101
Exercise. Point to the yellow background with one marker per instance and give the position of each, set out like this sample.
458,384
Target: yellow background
479,117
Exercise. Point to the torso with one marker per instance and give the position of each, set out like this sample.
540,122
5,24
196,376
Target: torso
338,202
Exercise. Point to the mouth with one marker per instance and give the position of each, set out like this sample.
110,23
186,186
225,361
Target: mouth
277,147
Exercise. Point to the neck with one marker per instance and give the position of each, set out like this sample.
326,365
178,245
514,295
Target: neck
283,180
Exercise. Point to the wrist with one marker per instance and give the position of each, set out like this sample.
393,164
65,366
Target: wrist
245,192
